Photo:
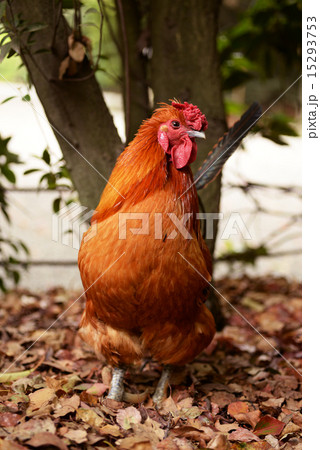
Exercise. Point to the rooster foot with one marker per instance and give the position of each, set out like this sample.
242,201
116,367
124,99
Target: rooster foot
161,390
117,389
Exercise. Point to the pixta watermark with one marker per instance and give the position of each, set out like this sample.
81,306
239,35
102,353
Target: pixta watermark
234,225
69,224
73,220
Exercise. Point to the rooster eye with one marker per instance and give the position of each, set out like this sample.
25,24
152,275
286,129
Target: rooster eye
175,124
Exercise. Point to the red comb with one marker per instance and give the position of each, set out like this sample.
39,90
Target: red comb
193,116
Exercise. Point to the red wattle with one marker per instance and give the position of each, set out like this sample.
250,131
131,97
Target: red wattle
183,154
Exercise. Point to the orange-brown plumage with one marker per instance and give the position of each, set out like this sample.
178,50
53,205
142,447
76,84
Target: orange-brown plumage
142,297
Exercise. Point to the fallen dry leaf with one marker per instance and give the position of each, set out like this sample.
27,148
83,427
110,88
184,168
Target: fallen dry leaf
290,428
128,417
219,442
67,405
226,427
293,405
89,399
189,413
268,425
223,398
251,418
237,408
243,435
169,406
8,419
128,397
78,436
187,431
149,429
274,402
97,389
77,50
135,442
183,444
214,408
272,441
41,398
106,375
26,430
72,381
208,433
48,440
113,405
22,384
91,417
168,444
185,403
111,430
239,369
11,445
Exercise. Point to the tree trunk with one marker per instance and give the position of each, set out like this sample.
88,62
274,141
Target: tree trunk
75,108
185,66
135,88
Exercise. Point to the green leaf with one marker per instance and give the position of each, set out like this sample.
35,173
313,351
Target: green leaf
56,205
3,145
27,172
13,245
10,176
4,212
24,247
4,38
46,156
3,289
26,98
50,178
16,276
13,260
11,53
7,99
64,173
7,377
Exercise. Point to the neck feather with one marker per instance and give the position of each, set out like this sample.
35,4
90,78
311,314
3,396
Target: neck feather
142,169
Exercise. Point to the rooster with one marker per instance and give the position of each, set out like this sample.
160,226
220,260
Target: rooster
144,264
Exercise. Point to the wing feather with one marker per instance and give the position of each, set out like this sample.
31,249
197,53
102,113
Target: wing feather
226,146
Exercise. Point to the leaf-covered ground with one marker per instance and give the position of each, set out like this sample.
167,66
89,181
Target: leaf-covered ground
239,394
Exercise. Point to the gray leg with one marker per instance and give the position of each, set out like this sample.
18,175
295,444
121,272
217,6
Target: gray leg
117,389
161,390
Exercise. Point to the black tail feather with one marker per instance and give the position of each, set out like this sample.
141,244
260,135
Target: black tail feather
226,145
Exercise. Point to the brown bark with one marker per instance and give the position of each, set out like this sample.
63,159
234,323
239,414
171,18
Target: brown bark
135,88
75,108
